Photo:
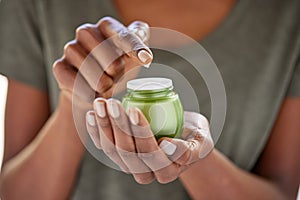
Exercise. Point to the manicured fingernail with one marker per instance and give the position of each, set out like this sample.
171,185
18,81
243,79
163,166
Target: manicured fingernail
134,116
168,147
90,118
144,56
113,108
100,109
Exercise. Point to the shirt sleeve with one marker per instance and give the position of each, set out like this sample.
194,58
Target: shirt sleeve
294,87
21,55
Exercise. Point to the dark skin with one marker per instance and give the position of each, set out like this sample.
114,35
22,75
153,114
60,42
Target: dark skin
279,147
276,175
173,15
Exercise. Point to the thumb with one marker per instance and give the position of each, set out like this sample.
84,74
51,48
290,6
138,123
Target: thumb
186,152
130,40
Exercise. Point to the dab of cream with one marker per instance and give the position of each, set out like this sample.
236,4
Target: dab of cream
147,65
141,29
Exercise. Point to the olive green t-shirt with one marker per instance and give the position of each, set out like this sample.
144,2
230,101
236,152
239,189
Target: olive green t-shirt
256,49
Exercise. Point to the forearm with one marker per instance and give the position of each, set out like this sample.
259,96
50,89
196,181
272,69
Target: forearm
215,177
47,167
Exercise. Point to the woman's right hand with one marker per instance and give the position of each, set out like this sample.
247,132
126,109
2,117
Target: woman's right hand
99,56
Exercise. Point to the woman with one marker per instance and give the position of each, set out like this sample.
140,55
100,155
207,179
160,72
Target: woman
257,45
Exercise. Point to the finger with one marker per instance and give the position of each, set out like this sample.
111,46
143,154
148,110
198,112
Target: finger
120,85
65,74
141,29
125,142
107,140
125,39
91,39
92,128
165,170
204,137
196,127
194,120
187,152
88,67
69,79
89,36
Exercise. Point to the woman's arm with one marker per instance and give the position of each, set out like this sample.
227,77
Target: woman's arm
41,159
277,171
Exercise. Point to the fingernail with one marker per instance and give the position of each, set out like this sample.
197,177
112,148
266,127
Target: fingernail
144,56
168,147
134,116
113,108
100,109
90,118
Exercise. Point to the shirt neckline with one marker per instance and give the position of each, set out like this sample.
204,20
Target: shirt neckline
217,34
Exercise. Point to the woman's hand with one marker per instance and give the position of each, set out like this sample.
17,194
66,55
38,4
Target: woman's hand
129,142
99,56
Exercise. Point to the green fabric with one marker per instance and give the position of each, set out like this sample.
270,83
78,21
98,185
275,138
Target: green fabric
256,50
21,51
294,87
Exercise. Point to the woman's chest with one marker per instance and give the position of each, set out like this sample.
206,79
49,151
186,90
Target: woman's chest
194,18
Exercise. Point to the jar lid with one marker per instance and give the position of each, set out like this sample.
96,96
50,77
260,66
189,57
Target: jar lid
143,84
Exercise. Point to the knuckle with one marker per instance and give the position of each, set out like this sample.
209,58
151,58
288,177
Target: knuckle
109,26
166,177
60,72
103,123
122,126
144,178
84,30
141,131
107,94
104,84
116,68
147,157
105,20
57,66
127,154
69,48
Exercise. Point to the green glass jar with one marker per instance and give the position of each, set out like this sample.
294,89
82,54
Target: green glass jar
158,102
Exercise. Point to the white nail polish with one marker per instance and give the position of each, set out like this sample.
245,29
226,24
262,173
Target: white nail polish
168,147
100,109
113,108
90,118
144,56
134,117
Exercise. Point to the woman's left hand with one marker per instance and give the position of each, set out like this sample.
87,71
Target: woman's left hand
130,143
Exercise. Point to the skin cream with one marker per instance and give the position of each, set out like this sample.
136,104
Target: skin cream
158,102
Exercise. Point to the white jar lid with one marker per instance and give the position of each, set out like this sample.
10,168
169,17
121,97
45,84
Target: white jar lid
149,84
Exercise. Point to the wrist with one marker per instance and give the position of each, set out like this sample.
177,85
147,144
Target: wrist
65,122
